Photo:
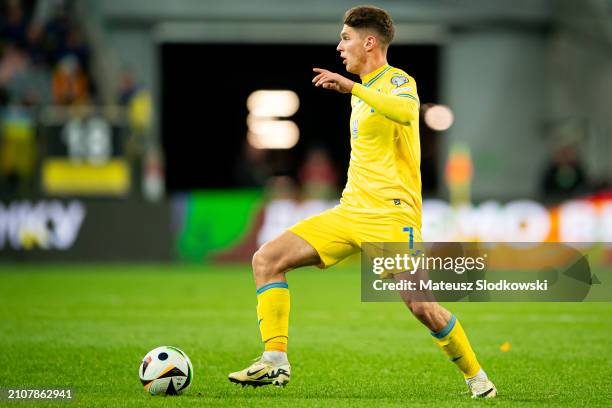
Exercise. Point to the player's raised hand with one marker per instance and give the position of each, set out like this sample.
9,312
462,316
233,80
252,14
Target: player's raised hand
331,80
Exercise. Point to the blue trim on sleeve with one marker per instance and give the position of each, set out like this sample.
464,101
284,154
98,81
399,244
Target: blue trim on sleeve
405,95
272,285
444,332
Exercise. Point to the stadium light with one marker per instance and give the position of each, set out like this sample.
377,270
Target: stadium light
267,128
272,134
279,103
439,117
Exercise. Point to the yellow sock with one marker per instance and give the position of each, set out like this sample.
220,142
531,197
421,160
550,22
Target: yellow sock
273,304
453,341
275,346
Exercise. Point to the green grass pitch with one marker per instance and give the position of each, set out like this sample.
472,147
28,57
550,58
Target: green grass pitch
88,326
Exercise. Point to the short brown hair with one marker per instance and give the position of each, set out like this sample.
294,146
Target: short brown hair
371,18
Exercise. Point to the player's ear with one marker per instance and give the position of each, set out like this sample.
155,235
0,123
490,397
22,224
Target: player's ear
370,42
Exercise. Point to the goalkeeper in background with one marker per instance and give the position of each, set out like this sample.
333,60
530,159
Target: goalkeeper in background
380,203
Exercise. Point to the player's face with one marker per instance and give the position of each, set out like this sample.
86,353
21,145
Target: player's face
352,49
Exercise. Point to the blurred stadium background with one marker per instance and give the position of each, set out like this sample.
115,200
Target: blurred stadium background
188,131
135,130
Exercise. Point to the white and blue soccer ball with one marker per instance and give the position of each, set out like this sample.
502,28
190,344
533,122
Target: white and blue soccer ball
166,370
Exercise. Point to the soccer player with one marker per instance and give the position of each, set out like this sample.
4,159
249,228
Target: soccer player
380,203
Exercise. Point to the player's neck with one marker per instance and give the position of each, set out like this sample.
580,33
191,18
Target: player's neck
373,64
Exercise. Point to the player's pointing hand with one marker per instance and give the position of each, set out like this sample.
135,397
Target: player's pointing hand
331,80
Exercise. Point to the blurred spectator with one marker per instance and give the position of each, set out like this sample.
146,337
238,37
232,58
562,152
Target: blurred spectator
31,45
42,45
13,23
44,58
252,168
318,176
14,60
76,46
70,85
138,107
48,10
127,87
147,160
282,188
17,149
565,175
459,173
54,36
137,99
32,84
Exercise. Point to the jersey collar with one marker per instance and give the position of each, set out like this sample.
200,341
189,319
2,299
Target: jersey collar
373,76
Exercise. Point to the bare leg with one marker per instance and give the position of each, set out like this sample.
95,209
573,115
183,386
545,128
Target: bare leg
270,264
423,306
277,257
447,333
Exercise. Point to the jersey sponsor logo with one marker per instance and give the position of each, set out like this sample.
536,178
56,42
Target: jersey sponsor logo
355,128
397,201
399,80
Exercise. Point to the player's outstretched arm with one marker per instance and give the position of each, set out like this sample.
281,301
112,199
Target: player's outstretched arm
397,108
331,80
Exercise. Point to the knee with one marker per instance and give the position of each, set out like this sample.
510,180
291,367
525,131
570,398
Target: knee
266,265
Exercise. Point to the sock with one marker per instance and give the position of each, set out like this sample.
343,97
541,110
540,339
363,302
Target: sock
453,341
273,315
276,357
479,375
275,346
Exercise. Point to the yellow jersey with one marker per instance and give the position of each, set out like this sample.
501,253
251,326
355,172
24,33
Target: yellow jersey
384,171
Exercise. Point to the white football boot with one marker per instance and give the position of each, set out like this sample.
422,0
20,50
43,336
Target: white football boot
263,372
481,387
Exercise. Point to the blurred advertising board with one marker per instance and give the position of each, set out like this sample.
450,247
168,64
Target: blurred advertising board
231,225
84,230
587,219
210,223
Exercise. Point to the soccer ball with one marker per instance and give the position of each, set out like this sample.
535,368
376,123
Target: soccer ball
166,370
